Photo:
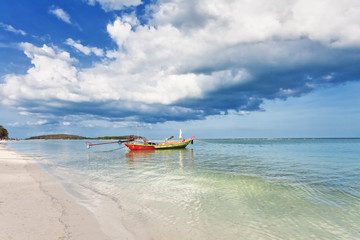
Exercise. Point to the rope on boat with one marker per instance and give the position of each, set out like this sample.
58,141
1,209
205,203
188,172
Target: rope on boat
130,139
89,144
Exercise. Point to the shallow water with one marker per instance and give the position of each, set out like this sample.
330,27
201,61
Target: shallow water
215,189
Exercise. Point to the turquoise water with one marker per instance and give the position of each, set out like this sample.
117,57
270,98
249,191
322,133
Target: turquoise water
215,189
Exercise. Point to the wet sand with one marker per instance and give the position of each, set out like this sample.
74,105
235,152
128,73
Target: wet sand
34,205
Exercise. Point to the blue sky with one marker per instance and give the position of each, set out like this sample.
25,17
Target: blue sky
213,68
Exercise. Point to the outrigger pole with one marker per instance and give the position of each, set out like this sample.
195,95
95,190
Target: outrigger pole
130,139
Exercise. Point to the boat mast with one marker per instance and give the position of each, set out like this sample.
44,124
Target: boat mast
138,130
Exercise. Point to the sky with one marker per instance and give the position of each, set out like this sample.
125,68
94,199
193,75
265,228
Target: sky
215,69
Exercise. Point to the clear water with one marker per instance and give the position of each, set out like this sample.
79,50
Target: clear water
215,189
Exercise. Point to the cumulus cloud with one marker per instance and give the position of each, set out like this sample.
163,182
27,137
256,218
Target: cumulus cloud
84,49
52,71
30,123
60,14
198,59
37,123
110,5
330,22
10,28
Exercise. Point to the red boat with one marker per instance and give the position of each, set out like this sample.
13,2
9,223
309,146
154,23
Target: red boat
155,146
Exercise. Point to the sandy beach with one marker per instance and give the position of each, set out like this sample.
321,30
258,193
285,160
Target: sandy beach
34,205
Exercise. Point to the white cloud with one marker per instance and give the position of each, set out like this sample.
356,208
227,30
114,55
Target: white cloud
14,124
119,31
110,5
10,28
60,14
191,51
131,19
84,49
37,123
336,23
53,84
51,77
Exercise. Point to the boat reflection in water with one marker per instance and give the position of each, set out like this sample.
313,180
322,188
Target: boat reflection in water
170,157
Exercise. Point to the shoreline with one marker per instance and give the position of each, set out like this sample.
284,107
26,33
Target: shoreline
34,205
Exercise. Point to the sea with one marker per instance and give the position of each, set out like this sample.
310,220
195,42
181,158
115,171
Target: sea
213,189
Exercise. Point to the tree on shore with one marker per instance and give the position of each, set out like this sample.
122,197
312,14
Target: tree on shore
3,132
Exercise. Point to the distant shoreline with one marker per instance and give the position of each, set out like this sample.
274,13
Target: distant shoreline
76,137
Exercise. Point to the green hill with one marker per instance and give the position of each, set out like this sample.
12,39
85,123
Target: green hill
57,136
74,137
3,132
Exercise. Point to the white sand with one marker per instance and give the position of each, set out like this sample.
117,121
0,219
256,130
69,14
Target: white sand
34,205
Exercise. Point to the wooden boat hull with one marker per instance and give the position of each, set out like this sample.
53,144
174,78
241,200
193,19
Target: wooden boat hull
170,145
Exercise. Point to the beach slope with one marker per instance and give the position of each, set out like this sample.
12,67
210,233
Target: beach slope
34,205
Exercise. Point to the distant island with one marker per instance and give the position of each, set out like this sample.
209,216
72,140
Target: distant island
74,137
